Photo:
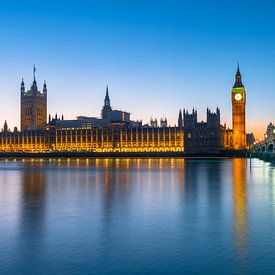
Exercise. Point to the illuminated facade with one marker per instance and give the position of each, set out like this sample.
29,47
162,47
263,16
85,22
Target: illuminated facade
238,96
114,131
115,138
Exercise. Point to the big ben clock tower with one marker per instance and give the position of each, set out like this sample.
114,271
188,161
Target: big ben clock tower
238,96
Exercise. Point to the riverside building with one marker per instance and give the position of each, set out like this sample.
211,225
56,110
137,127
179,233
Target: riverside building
114,131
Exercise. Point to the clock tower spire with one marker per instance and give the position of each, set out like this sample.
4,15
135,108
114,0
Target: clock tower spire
238,78
238,96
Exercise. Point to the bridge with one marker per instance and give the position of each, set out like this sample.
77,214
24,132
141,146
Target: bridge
266,149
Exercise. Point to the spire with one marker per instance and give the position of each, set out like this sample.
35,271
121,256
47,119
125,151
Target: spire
107,91
238,78
5,126
34,70
107,105
107,98
238,70
44,87
22,86
180,115
180,124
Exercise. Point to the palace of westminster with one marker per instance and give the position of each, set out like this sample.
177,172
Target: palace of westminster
114,131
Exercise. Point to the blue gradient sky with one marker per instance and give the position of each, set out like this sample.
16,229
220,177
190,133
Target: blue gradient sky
156,56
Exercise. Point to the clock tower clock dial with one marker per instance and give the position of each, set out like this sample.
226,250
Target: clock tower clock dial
238,96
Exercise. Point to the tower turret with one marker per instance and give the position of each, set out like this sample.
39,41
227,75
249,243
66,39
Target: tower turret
163,122
180,124
22,86
213,118
5,126
44,87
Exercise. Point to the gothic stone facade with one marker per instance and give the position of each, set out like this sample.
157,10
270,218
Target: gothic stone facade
203,137
33,107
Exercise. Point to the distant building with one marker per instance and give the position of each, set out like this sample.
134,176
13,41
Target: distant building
33,106
270,133
108,117
250,139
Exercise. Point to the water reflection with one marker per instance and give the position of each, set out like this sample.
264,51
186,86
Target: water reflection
191,169
240,206
120,215
33,199
214,183
113,179
32,217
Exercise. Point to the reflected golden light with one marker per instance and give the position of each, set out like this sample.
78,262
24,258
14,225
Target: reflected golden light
160,163
240,202
87,162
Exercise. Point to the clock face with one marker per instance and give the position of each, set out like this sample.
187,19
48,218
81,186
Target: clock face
238,97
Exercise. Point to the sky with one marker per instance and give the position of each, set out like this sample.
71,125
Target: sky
156,56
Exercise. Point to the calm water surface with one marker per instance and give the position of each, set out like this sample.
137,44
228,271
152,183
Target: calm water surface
121,216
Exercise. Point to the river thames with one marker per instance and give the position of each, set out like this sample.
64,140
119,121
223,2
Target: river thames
120,216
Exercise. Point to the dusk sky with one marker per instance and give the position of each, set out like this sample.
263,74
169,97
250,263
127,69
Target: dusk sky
156,56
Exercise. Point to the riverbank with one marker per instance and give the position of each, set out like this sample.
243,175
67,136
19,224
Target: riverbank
55,154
